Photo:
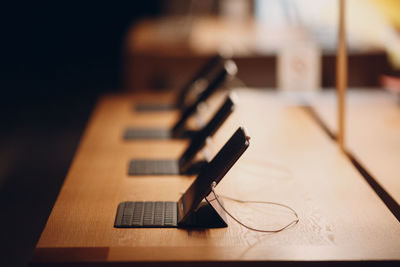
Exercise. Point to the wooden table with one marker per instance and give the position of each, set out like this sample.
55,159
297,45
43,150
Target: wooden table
372,132
290,160
163,53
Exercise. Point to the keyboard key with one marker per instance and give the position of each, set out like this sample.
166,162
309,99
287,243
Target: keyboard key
147,214
132,133
153,167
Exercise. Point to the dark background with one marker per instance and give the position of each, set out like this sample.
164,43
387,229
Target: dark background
57,57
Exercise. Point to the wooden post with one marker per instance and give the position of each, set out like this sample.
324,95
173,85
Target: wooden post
341,74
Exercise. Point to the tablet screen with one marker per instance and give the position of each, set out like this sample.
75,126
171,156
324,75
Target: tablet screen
215,171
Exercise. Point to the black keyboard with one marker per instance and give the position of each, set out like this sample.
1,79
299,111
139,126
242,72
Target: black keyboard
141,133
146,214
143,107
153,167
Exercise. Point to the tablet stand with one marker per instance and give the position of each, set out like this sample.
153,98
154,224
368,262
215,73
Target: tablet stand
207,215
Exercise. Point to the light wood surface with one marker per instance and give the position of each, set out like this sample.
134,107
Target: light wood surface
373,132
290,160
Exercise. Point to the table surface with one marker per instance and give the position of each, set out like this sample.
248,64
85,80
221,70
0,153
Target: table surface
372,132
202,36
290,160
205,35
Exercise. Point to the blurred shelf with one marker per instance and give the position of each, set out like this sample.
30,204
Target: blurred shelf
162,53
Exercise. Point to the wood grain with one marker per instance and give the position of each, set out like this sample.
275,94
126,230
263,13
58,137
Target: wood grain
290,160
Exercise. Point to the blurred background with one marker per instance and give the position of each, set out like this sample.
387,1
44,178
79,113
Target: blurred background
58,57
